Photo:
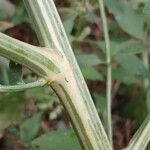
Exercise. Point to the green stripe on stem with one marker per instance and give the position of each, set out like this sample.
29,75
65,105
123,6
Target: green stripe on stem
22,87
33,57
51,33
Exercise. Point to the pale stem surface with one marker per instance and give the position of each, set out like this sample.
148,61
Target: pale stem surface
51,34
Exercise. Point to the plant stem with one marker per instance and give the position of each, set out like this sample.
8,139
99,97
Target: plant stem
72,90
22,87
109,71
141,137
145,57
57,72
146,64
39,60
5,76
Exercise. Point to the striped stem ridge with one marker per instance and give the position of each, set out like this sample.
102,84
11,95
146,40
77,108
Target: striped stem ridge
22,86
35,58
70,86
109,73
57,72
142,137
56,65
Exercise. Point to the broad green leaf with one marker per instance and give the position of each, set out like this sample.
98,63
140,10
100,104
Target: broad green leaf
91,73
57,140
100,102
30,128
86,62
44,97
88,59
11,106
128,19
41,93
123,76
133,65
113,46
131,47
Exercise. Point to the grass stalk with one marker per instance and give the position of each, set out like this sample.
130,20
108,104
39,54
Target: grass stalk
141,137
71,87
145,57
109,71
35,58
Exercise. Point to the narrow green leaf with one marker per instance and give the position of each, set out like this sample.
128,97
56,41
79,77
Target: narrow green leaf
88,59
133,65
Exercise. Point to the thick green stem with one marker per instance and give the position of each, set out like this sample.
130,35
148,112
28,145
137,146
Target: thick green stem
61,78
109,71
39,60
67,89
73,94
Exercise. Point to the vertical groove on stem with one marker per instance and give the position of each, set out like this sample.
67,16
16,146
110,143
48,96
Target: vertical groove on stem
50,29
141,137
109,71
